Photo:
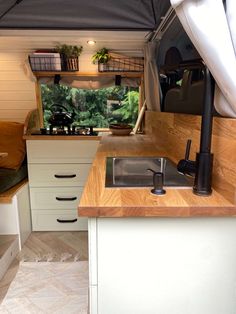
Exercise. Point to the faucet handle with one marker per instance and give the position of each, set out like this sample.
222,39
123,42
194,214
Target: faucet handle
188,147
186,166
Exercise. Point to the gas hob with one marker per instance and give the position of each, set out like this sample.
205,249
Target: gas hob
63,130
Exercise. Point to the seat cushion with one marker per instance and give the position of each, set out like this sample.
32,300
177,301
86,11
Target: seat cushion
10,177
11,142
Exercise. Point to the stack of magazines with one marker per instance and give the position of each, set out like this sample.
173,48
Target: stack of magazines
42,60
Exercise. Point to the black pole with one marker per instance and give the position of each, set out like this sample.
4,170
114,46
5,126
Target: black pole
204,159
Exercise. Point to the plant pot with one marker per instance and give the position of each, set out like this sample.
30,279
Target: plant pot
101,67
72,64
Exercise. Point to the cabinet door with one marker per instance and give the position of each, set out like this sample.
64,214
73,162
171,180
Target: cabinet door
61,151
24,213
49,175
55,197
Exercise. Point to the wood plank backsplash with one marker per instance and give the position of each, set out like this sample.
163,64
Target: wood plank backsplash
171,131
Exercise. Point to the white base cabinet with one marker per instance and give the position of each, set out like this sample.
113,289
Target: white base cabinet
15,217
160,265
58,170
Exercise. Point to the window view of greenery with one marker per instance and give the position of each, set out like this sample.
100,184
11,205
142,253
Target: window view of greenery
97,108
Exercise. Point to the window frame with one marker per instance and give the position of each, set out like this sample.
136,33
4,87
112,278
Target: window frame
41,74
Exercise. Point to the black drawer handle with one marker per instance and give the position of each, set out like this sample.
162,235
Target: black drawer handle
66,198
67,220
60,176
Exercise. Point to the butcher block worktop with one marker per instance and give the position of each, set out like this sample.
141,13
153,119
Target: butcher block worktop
98,201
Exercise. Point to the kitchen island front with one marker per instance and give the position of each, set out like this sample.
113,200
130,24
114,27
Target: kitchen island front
156,254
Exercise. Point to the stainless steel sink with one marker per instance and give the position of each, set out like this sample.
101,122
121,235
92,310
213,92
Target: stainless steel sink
132,172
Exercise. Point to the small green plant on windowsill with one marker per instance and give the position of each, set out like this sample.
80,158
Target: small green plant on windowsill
69,55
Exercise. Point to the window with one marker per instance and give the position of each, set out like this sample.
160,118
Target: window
97,108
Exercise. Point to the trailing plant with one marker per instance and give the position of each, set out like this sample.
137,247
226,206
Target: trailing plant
69,51
101,56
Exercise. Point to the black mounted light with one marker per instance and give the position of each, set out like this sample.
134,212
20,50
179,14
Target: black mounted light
57,79
117,80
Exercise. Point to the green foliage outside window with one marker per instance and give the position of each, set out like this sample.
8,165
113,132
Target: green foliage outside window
90,107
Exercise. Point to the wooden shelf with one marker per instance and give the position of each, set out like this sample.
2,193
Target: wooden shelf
92,74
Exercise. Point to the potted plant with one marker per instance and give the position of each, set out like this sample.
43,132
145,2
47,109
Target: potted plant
101,57
69,55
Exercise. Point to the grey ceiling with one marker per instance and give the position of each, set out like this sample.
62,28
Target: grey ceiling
82,14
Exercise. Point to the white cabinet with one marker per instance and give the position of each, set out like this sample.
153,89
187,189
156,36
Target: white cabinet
162,265
15,216
58,170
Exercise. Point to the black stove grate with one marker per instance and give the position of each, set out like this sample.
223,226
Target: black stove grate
64,130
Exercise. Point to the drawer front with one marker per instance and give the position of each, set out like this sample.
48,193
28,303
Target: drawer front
59,151
60,220
59,197
41,175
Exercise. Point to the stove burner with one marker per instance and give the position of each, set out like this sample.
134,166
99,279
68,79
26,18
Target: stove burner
67,130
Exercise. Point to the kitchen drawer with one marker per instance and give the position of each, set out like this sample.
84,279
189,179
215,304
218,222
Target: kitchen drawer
56,197
47,220
42,175
60,151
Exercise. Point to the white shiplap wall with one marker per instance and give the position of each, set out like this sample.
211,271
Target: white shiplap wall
17,91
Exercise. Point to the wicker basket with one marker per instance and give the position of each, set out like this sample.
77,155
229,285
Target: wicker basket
45,62
52,63
72,64
122,65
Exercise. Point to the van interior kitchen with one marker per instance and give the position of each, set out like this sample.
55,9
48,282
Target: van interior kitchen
118,157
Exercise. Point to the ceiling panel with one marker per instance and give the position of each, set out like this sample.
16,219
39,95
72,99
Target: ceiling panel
25,40
83,14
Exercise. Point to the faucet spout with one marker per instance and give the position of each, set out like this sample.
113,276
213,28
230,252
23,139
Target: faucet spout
204,159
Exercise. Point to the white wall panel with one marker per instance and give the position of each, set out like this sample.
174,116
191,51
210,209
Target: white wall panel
12,75
6,65
17,115
18,85
22,95
16,104
17,92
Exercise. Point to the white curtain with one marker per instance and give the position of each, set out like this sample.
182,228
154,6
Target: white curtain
151,77
213,32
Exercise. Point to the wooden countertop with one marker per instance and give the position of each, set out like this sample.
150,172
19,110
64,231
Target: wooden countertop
98,201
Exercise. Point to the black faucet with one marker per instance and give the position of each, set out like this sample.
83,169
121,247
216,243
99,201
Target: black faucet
202,167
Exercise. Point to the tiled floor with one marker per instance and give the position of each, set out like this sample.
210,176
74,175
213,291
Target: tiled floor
5,242
50,288
51,246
